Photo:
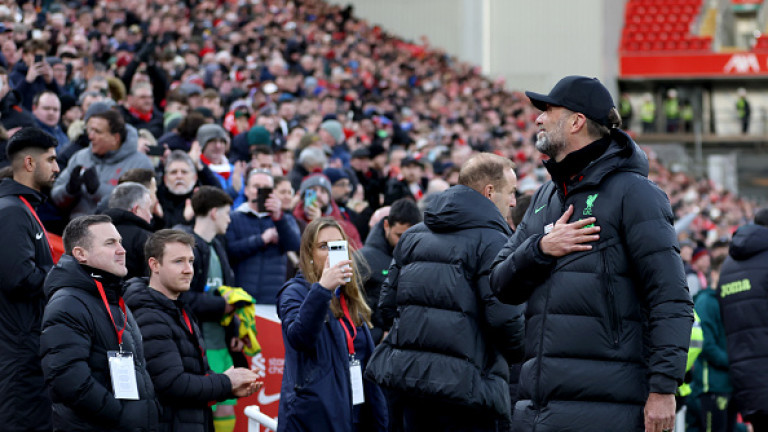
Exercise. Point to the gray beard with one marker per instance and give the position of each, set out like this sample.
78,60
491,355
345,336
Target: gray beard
547,146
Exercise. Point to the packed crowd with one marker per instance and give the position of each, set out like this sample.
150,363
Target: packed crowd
242,124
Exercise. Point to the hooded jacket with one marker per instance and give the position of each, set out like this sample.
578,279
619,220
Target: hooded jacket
135,231
449,331
260,269
743,296
25,404
77,334
316,393
176,360
109,167
605,326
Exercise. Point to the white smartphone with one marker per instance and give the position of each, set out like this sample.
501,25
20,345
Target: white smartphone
338,251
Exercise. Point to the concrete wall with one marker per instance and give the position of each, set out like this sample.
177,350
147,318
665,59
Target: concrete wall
531,44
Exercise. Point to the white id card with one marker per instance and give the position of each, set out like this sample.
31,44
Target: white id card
123,375
356,379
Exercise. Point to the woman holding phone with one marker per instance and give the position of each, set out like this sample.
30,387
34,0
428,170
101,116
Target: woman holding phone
325,323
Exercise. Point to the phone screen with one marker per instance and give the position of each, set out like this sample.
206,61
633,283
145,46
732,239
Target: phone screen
155,150
310,197
261,199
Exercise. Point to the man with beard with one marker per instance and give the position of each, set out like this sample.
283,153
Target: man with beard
180,178
25,405
596,258
342,188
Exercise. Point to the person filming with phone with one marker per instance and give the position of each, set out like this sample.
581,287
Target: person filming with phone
325,323
259,237
32,75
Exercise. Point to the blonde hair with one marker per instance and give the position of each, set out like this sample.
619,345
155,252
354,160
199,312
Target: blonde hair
358,308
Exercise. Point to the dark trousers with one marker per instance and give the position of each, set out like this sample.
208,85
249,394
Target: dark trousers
421,415
759,422
717,412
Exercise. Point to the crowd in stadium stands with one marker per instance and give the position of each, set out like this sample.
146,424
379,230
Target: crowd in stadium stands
240,123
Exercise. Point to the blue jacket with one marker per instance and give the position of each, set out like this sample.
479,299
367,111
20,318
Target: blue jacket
260,269
316,393
18,81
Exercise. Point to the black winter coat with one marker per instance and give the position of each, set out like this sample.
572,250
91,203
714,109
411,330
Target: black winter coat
378,254
605,326
77,333
206,307
24,404
743,296
449,330
175,360
135,231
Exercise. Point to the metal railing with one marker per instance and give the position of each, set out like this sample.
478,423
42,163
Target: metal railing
257,419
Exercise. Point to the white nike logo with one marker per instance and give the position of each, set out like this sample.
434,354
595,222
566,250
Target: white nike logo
265,399
38,236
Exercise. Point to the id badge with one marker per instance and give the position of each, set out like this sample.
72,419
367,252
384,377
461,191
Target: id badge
123,375
356,379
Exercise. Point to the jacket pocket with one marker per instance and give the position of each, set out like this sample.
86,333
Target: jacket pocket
614,318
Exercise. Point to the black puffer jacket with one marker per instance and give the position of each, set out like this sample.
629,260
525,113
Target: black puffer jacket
449,330
605,326
743,296
77,333
178,368
24,404
135,231
378,254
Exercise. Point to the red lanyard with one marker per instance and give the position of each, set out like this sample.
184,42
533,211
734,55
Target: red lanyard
109,311
350,338
34,213
186,319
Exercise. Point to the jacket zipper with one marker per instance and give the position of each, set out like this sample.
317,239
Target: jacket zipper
613,315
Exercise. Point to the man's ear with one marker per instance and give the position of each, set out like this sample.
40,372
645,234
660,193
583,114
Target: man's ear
29,163
488,191
80,254
385,224
154,265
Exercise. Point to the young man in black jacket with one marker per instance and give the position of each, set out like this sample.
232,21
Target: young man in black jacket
609,315
445,358
173,344
93,359
24,405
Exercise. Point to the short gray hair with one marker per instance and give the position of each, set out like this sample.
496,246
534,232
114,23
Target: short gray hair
128,194
313,156
181,156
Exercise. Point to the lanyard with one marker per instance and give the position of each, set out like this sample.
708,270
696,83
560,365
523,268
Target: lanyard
350,338
34,213
109,311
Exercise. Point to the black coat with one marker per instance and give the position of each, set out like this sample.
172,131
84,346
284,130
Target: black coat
77,333
449,330
206,307
378,254
173,205
154,125
743,296
605,326
135,231
25,261
175,360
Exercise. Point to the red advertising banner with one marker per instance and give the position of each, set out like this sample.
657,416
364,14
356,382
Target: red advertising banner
268,364
710,65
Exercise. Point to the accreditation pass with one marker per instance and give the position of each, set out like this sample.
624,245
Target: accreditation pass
123,375
356,380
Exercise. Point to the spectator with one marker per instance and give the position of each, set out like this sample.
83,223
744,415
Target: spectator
12,115
85,327
672,111
379,247
323,205
698,275
130,208
311,160
743,297
140,110
437,288
25,405
180,177
93,172
581,257
259,238
46,107
332,135
32,75
341,193
179,372
328,332
213,140
410,184
648,114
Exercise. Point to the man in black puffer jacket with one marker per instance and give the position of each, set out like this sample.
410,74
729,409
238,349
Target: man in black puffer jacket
172,340
609,315
743,296
444,357
130,207
80,333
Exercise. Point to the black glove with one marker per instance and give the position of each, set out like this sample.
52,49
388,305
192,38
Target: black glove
91,180
75,181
